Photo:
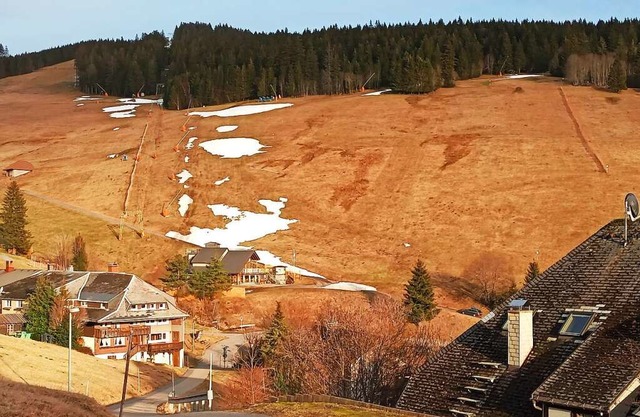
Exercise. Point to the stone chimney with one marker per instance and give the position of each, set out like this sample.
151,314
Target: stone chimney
113,267
9,266
519,332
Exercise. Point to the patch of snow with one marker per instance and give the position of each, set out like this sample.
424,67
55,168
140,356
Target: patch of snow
192,128
124,107
87,98
377,93
225,129
112,156
186,158
269,259
242,110
185,186
349,286
515,77
407,245
274,207
243,226
233,147
222,181
79,104
141,100
189,143
123,115
115,129
184,203
184,175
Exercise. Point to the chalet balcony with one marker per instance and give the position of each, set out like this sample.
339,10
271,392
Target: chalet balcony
255,271
164,347
112,332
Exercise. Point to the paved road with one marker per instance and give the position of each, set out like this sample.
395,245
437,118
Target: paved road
145,406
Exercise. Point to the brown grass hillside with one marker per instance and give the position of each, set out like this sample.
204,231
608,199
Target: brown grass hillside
22,400
461,174
45,365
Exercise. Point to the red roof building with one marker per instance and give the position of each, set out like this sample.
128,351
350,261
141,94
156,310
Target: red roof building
18,168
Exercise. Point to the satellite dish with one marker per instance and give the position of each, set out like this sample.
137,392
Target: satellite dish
631,207
631,211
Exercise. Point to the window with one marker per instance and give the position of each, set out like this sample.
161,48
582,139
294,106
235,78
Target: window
83,303
105,342
576,324
6,303
558,412
120,341
10,329
18,303
156,337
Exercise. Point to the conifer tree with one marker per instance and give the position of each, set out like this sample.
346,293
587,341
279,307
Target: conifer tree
38,312
273,335
178,269
418,295
448,65
532,271
204,284
80,260
617,80
13,221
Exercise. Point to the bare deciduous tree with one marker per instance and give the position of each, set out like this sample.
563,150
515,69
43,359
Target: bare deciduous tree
364,352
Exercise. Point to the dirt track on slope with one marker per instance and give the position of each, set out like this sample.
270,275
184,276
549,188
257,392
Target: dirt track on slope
583,139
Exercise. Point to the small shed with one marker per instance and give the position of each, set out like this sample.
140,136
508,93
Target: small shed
10,324
18,168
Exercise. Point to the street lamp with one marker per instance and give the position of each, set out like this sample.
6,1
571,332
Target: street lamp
71,311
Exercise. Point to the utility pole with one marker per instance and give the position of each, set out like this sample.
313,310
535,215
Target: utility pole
126,372
210,392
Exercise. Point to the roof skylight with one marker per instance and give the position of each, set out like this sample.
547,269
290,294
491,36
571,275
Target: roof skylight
576,324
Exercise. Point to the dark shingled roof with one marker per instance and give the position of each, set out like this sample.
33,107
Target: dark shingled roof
233,260
104,286
588,372
21,289
205,255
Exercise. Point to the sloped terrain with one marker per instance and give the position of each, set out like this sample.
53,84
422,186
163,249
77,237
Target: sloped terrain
22,400
375,182
45,365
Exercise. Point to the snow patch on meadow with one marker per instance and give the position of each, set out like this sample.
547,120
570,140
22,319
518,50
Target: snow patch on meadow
87,98
184,203
225,129
269,259
222,181
189,143
377,93
242,110
124,107
233,147
242,226
123,115
515,77
141,100
183,176
349,286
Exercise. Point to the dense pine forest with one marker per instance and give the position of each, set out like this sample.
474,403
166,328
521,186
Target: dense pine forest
202,64
26,63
